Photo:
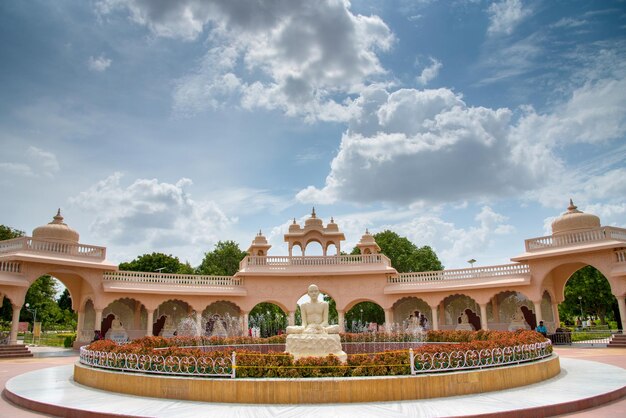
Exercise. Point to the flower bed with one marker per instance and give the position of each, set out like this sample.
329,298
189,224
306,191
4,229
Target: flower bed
465,349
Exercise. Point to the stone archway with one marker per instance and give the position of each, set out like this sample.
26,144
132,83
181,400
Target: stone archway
453,308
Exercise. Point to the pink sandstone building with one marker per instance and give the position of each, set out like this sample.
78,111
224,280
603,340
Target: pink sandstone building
143,303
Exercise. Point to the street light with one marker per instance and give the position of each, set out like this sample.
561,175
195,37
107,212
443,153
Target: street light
34,312
580,300
472,261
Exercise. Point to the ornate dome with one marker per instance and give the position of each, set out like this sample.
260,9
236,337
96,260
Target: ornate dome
56,230
259,239
332,226
313,221
294,227
367,238
574,220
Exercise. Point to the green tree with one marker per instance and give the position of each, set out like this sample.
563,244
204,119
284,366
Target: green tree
65,300
404,255
595,291
6,232
41,297
157,262
365,312
223,260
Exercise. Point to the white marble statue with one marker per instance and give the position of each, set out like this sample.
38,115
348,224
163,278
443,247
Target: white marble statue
464,325
315,337
314,316
518,321
117,332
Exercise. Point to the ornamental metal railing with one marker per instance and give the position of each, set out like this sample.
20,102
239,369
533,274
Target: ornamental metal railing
583,337
477,359
605,233
34,245
487,272
219,366
170,278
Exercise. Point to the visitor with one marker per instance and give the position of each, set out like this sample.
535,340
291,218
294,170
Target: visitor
541,329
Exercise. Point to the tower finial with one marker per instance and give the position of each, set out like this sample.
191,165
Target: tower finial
58,218
313,213
571,206
367,231
294,221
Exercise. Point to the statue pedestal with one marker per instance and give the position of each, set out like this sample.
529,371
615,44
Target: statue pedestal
315,345
465,327
515,325
117,335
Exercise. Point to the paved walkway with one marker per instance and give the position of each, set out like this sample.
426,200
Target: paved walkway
586,372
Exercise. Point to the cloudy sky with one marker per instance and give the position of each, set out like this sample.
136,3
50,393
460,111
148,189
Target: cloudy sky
167,126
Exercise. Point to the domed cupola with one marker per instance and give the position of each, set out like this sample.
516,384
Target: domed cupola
259,246
56,230
574,220
332,226
368,244
313,222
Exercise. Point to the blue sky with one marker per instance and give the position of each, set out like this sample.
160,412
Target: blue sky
167,126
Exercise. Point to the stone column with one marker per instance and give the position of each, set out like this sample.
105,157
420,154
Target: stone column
199,330
442,313
483,316
291,318
621,304
555,313
137,316
388,320
538,316
150,322
434,310
15,323
341,319
79,325
98,324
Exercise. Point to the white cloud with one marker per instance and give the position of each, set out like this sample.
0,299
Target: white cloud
99,64
416,139
151,216
505,16
430,72
38,163
295,56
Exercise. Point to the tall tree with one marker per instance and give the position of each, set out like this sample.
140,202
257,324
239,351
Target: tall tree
41,297
595,296
157,262
404,255
6,232
223,260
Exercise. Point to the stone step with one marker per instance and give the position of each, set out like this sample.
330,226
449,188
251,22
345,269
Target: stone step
14,351
15,355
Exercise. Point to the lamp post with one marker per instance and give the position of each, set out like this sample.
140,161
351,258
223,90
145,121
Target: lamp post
34,312
471,262
580,301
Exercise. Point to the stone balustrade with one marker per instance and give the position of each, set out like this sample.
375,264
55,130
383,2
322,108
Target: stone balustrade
28,244
171,278
330,260
488,272
606,233
11,267
620,256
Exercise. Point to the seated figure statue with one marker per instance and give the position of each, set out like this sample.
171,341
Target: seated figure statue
314,316
314,338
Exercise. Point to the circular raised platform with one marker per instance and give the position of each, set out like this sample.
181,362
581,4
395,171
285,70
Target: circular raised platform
581,384
319,390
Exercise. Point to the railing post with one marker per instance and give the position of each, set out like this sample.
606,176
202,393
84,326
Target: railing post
412,359
234,368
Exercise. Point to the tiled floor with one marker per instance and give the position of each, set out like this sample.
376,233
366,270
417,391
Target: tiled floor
580,379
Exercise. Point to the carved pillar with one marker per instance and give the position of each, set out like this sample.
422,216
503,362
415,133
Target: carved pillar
442,313
98,324
15,322
150,322
388,320
621,304
199,330
555,313
483,316
79,325
137,315
538,316
434,310
291,318
341,319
